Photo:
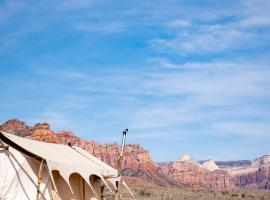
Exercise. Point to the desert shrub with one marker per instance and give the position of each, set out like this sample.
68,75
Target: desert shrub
142,192
243,195
234,195
224,192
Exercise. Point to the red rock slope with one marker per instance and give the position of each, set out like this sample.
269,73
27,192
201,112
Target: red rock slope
138,162
136,158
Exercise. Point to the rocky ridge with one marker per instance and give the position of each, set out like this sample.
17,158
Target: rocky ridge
138,163
189,172
136,157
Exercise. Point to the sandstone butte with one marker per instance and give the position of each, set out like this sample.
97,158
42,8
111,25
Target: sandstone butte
139,167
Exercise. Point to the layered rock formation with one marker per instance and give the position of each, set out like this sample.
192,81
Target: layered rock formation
136,157
16,127
257,175
186,171
139,164
231,164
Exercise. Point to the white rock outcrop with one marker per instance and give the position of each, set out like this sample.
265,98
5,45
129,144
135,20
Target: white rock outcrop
210,165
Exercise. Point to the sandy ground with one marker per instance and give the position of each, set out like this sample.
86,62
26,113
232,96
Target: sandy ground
159,193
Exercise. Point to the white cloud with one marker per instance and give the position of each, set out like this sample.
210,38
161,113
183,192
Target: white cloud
57,120
205,39
253,22
160,116
75,4
60,74
163,62
248,128
106,27
246,29
179,23
166,63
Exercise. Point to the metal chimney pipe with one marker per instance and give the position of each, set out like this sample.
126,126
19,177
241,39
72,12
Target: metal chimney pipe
121,156
123,141
119,163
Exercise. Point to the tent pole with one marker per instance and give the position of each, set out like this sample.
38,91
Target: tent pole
93,190
52,180
119,162
125,184
83,189
116,196
39,178
54,185
106,184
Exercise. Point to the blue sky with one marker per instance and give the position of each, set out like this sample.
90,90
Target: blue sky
184,76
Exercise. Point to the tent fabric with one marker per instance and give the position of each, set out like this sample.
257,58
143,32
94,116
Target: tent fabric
65,166
14,183
64,158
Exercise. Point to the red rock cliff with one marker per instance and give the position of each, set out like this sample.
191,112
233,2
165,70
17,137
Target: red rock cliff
136,157
255,176
189,172
138,162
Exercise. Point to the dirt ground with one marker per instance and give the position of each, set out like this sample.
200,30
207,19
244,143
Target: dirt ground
160,193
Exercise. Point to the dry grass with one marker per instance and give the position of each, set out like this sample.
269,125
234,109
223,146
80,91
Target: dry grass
159,193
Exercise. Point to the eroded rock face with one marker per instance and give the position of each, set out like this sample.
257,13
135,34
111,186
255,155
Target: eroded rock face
255,176
138,162
135,156
15,127
189,172
42,132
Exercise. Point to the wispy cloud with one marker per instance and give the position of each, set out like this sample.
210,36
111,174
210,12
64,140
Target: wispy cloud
179,23
206,39
254,22
166,63
193,94
216,34
253,129
8,9
75,4
60,74
197,71
106,27
55,119
155,117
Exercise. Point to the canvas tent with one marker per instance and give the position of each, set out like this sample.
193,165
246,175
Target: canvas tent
57,171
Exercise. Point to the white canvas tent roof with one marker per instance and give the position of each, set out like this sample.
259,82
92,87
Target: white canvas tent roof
63,158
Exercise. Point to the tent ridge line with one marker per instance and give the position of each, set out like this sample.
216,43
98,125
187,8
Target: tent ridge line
17,147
